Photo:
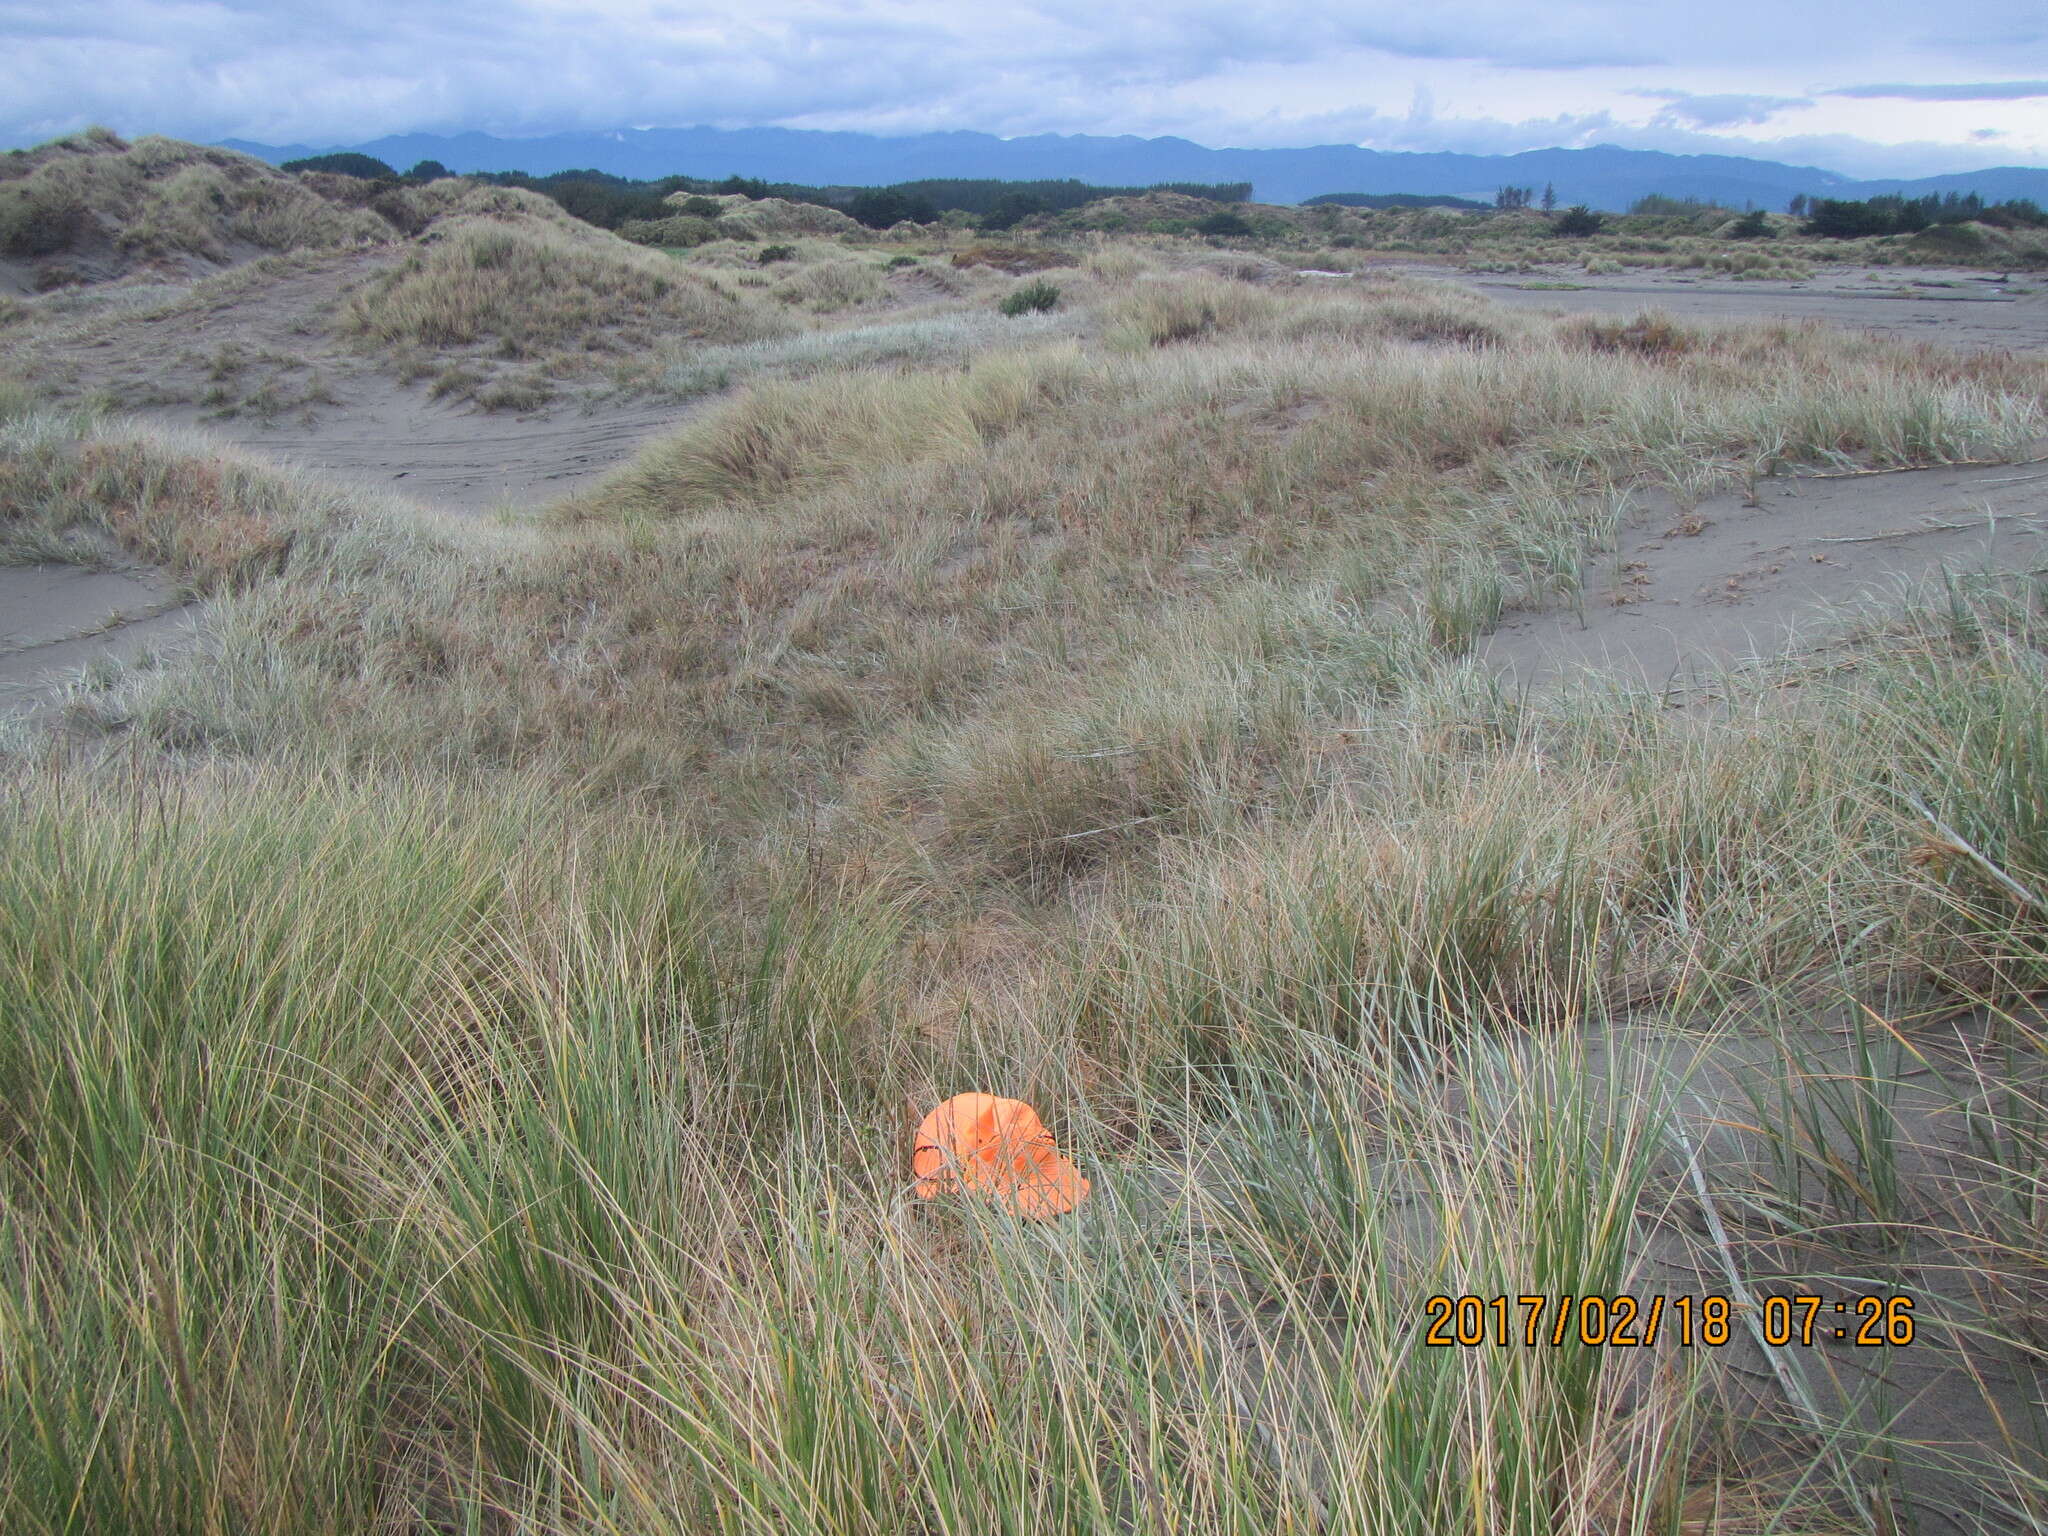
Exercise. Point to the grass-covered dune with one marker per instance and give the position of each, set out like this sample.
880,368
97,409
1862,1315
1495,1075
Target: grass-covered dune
460,1027
508,267
890,590
101,199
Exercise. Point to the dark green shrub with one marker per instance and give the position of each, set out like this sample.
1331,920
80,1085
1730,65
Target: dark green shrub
2021,212
1011,207
1577,221
428,170
901,261
681,230
1836,219
1032,298
1224,224
771,253
1657,205
1751,226
700,207
346,163
879,207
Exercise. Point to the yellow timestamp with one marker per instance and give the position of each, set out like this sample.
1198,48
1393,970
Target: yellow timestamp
1689,1321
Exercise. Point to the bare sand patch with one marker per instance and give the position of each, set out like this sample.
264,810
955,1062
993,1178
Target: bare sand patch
1956,307
55,619
389,438
1957,1397
1688,591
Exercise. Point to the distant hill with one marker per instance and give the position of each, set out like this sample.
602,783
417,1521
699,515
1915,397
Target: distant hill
1601,177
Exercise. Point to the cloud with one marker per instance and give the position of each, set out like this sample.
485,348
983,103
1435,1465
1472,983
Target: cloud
1727,110
1990,90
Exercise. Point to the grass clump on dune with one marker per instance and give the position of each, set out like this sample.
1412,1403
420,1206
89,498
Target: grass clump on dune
779,438
923,341
533,284
828,286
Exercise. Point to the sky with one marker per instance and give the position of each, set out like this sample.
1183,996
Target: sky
1873,88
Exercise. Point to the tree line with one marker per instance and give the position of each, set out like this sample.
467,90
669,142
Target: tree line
608,201
1894,214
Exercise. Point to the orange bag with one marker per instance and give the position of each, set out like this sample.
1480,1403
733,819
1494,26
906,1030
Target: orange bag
1000,1150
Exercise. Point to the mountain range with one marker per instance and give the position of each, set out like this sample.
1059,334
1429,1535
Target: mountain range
1601,177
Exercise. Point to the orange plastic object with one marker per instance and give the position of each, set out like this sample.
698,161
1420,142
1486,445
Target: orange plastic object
1000,1150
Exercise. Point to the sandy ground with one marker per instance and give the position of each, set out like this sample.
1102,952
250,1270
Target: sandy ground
449,457
1686,593
252,359
56,619
1955,307
1952,1394
1951,1397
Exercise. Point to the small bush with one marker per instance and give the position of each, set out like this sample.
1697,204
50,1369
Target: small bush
901,261
1646,335
525,392
1032,298
1577,222
683,231
774,253
1225,225
1754,225
347,163
39,221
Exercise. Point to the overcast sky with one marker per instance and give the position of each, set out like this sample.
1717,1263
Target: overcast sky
1877,87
